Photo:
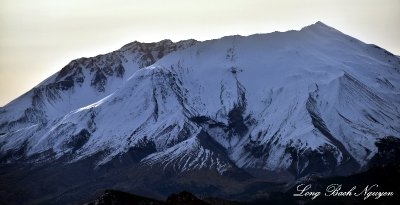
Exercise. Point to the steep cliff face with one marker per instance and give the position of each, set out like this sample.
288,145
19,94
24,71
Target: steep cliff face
292,103
82,82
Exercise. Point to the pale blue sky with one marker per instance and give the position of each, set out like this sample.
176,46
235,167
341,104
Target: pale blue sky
37,38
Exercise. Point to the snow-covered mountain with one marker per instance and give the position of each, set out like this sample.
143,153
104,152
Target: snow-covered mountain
297,102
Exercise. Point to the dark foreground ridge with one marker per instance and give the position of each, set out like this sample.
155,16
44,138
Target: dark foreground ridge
113,197
386,177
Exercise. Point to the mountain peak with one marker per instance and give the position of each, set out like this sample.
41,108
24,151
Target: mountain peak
318,26
234,111
320,23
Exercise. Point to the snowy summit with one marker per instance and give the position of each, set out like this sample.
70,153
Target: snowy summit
284,103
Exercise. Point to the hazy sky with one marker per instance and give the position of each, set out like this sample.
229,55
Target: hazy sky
37,38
